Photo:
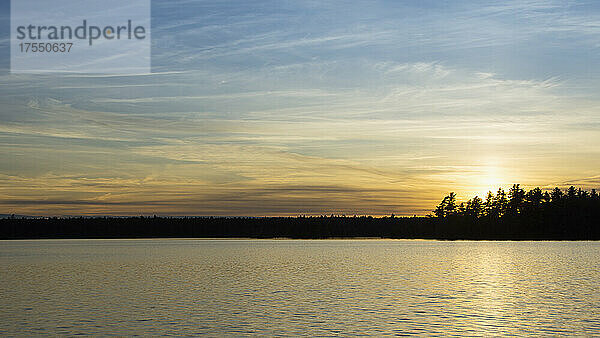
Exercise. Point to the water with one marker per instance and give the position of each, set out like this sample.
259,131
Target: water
281,287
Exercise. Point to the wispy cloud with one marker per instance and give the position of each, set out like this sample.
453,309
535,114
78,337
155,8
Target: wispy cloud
295,108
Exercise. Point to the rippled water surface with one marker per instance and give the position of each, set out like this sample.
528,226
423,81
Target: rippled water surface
337,287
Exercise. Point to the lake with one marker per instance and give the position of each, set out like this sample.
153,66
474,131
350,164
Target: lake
298,287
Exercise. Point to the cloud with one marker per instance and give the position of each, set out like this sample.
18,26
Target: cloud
397,146
296,108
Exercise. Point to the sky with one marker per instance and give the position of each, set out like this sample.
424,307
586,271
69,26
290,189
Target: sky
268,108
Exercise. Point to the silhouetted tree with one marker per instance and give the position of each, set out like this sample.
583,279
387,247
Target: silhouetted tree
474,207
533,199
571,193
500,204
556,195
447,207
488,205
516,199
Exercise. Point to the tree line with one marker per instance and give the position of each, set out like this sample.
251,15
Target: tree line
573,214
536,214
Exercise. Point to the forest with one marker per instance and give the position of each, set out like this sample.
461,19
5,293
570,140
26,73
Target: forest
573,214
520,214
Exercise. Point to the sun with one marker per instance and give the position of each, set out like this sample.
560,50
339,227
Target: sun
490,178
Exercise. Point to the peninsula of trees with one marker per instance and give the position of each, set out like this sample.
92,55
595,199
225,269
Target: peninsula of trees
535,214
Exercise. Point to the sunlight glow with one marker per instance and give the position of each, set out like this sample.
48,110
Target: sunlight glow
491,179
